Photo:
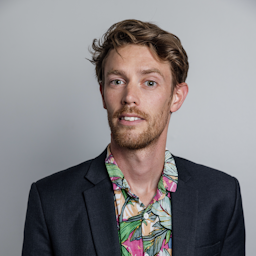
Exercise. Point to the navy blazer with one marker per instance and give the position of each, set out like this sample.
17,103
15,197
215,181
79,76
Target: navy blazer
72,213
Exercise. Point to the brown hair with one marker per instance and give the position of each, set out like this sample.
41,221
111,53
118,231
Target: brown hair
162,43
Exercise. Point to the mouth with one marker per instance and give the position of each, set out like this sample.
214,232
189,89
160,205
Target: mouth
130,118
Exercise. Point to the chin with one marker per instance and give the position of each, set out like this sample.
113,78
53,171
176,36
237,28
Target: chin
134,142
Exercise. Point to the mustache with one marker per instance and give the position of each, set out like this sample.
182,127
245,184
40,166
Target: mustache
130,110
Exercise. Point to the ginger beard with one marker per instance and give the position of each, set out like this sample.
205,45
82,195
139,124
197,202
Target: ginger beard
127,137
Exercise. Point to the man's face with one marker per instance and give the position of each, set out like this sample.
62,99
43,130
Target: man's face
137,96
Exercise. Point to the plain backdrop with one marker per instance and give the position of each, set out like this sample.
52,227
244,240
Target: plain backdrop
51,115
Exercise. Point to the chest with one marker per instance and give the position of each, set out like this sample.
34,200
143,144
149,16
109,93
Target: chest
143,230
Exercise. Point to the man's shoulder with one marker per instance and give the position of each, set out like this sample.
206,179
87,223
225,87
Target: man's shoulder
203,177
68,173
200,169
67,179
76,178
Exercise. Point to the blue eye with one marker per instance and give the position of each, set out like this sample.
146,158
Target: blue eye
150,83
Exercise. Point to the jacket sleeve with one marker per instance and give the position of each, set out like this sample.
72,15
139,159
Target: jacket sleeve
36,236
234,243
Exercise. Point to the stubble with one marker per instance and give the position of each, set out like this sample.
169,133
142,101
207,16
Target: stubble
127,137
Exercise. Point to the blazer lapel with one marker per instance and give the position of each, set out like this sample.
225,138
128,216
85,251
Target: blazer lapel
184,214
99,200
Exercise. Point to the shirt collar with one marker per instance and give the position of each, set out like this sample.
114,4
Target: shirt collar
167,183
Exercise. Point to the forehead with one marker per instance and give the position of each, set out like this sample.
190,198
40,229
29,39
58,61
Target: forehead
134,57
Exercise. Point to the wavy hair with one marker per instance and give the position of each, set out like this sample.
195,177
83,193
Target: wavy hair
164,45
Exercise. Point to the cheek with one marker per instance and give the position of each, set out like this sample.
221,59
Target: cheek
160,101
111,101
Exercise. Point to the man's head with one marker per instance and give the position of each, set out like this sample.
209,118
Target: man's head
164,45
141,69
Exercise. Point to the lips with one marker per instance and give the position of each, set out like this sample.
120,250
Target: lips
130,114
130,118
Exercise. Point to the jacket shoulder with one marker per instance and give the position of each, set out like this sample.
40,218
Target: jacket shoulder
65,182
205,178
67,174
74,180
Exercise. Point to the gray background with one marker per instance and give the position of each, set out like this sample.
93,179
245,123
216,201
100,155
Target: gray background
51,115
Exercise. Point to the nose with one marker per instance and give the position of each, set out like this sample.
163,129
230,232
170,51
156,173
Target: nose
131,94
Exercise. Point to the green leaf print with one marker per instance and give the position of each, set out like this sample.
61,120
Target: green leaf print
119,236
119,182
125,252
162,209
156,243
154,234
137,234
161,185
144,222
152,217
127,228
124,194
170,170
168,235
147,244
158,225
114,171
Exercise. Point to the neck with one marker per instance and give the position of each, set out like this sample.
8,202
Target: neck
142,168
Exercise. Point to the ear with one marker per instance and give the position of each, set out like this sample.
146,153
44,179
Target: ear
179,95
102,95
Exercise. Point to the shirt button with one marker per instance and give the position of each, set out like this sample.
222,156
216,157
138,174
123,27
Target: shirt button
146,254
145,217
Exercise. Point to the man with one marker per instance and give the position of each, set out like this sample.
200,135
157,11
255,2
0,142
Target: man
136,198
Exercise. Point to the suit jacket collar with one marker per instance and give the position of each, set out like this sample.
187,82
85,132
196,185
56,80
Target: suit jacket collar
97,171
184,213
99,200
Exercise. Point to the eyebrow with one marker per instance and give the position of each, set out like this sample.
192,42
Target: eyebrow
144,72
115,72
152,70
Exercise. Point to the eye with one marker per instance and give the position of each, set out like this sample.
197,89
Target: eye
116,82
150,83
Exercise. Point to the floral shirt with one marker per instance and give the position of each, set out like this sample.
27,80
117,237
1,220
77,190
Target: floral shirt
144,231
